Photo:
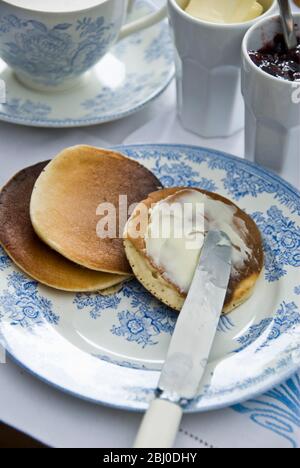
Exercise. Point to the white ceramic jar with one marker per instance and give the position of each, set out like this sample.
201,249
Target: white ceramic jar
208,63
272,116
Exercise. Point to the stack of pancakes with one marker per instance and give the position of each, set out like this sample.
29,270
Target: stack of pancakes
48,216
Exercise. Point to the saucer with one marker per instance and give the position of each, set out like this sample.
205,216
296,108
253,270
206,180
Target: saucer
136,71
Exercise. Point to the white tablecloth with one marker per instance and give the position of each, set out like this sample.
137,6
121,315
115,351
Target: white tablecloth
63,421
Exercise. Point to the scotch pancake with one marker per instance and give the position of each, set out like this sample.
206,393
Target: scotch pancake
29,253
66,198
248,252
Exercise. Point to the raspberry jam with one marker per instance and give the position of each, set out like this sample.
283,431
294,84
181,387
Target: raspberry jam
276,60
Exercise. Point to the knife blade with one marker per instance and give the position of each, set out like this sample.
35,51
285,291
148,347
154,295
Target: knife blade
190,345
198,320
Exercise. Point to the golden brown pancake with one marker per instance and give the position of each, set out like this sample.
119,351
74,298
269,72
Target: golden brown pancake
29,253
241,285
66,197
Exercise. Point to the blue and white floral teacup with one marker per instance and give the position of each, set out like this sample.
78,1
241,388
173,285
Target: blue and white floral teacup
51,50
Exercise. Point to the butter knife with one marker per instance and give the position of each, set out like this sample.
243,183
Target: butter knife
190,346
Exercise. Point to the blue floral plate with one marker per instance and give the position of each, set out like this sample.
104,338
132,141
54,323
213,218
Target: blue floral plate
110,349
136,71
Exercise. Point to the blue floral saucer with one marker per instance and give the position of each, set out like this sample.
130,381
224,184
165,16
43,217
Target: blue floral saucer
110,350
136,71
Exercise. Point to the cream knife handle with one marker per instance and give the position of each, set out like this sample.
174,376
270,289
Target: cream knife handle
160,425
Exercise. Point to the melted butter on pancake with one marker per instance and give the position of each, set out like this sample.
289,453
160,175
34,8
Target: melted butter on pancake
176,232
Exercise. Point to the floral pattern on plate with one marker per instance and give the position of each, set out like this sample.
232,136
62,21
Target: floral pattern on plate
22,304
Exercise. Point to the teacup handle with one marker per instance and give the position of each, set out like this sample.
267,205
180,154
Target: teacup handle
143,23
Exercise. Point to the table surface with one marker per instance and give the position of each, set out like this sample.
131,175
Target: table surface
61,420
11,438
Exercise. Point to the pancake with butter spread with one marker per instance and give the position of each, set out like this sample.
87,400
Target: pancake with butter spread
164,236
67,196
29,253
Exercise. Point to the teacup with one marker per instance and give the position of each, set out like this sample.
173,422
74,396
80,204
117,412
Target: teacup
51,50
208,63
272,118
